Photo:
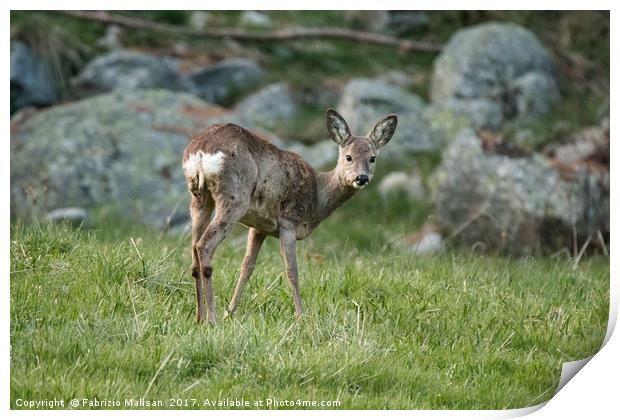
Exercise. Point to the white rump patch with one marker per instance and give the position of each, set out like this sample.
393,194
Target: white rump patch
192,165
202,165
211,164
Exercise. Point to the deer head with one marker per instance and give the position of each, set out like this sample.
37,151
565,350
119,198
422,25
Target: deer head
358,155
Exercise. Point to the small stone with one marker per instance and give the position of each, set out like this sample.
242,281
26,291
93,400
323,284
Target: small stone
255,19
111,40
181,48
199,20
74,215
402,183
403,22
584,144
605,123
426,241
367,20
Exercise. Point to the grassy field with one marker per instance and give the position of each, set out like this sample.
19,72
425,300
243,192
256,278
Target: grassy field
93,316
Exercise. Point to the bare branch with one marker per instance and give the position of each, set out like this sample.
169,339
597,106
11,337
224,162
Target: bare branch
287,34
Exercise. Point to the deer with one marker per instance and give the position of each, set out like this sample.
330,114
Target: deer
237,176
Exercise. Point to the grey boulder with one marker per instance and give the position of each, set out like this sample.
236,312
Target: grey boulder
127,70
220,83
321,155
226,81
32,79
519,205
364,102
121,150
498,62
269,106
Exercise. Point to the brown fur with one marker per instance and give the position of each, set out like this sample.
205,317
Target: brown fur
272,191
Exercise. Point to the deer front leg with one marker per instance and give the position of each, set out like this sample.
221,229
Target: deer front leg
255,240
288,240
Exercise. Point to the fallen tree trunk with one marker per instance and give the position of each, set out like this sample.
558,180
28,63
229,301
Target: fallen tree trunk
287,34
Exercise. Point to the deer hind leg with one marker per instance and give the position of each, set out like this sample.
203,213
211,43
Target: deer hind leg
255,240
200,210
227,213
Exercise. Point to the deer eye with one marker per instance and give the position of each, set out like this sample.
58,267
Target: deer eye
349,158
372,159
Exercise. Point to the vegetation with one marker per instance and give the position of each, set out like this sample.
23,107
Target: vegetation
579,41
107,312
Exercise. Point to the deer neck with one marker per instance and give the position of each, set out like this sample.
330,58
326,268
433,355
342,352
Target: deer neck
332,193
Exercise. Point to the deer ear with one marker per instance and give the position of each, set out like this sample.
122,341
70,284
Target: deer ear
337,127
384,130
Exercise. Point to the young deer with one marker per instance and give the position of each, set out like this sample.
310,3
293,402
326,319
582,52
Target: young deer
243,178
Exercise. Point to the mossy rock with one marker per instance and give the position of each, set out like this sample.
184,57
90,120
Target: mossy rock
121,148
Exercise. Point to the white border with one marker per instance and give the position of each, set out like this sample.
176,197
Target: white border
593,393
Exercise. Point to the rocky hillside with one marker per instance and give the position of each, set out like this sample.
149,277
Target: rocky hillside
505,130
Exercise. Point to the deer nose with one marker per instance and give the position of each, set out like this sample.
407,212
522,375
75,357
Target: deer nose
361,180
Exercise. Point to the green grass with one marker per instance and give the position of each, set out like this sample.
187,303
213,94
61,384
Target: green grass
92,316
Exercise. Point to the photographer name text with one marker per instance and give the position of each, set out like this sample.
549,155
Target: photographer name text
87,403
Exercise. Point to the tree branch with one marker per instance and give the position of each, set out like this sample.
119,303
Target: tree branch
287,34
